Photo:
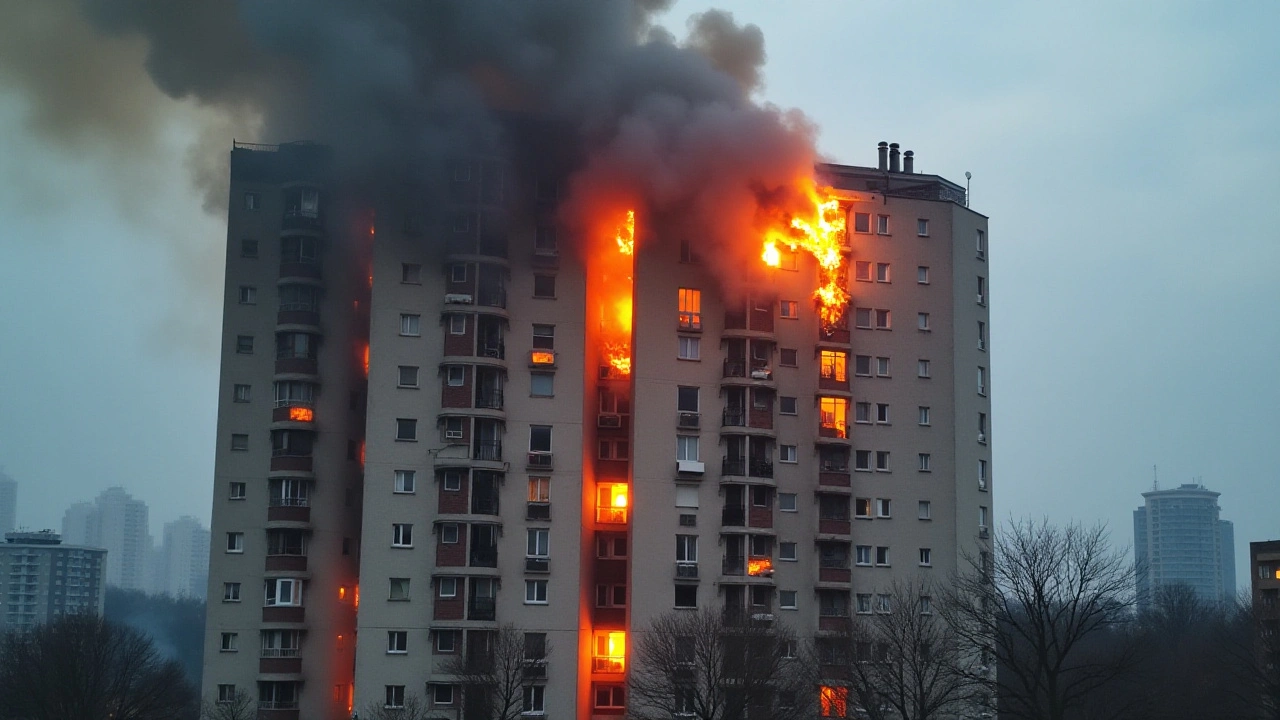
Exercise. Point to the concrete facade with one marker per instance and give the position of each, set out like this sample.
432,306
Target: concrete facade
498,439
41,579
1178,539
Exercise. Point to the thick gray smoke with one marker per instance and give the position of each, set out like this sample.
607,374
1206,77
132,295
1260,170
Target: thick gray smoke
645,119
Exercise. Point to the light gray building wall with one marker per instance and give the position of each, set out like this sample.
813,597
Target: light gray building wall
184,558
41,579
8,503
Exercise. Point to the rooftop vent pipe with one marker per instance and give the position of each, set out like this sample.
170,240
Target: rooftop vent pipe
893,158
908,161
884,155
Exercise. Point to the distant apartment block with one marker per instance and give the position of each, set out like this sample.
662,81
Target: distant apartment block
1179,539
41,579
8,503
183,559
117,522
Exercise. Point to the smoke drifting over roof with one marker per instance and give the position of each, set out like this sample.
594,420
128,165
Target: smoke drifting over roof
647,119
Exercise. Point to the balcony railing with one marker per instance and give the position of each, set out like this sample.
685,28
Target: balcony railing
734,565
608,664
281,652
492,349
484,505
491,452
733,466
493,297
481,608
760,468
736,516
538,511
734,417
686,570
277,704
735,368
491,400
484,557
289,502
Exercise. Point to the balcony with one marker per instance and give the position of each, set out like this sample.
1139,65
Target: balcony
833,429
495,349
733,516
486,557
299,267
489,400
487,452
541,461
688,420
492,297
734,417
760,566
733,466
734,565
484,504
288,513
286,563
481,608
538,511
758,467
742,368
686,570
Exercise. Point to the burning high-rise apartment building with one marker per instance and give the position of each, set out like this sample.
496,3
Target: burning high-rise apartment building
441,421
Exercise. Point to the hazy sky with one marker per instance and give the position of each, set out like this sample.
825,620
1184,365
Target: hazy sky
1126,153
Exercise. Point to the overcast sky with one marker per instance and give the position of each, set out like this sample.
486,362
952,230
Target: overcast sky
1127,156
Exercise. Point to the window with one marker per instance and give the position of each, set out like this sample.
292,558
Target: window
449,533
611,596
787,502
833,415
542,384
252,201
922,321
544,286
882,555
446,640
862,412
687,548
687,399
539,489
457,324
923,417
981,242
448,587
882,461
786,551
539,543
922,275
922,368
686,251
926,605
690,315
883,508
399,589
882,413
397,641
405,481
401,535
786,405
864,602
249,249
231,592
862,222
788,357
226,694
862,271
789,309
611,548
283,591
761,496
237,490
240,394
862,318
411,273
883,320
922,227
925,459
540,438
787,599
244,344
534,696
410,325
395,696
248,295
982,290
882,367
884,604
456,375
787,454
406,429
982,380
688,348
687,447
982,474
862,460
458,273
982,428
453,480
926,557
882,224
882,272
862,555
408,376
862,365
982,336
610,696
535,592
544,337
686,596
834,365
235,542
923,510
982,516
229,642
544,240
442,694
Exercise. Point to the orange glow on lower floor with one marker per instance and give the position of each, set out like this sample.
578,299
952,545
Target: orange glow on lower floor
759,566
611,503
301,414
611,652
834,701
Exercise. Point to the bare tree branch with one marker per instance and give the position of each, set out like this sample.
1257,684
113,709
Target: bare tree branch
494,675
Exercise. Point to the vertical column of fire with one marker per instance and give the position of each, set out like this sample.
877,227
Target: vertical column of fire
607,465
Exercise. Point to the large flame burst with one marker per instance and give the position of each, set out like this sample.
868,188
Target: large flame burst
821,235
617,324
626,235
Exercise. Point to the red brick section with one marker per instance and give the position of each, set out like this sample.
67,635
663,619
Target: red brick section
454,501
453,554
759,517
609,617
833,478
464,344
831,431
278,714
826,383
836,335
296,563
836,575
291,464
760,418
288,513
458,396
304,366
833,527
450,608
305,270
466,287
833,624
280,665
283,614
298,317
762,319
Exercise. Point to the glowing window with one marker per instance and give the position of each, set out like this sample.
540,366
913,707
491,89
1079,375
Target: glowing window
611,652
834,701
833,416
611,503
690,309
835,365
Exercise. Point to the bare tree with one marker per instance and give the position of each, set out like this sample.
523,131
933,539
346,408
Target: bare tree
240,706
413,709
82,666
713,666
1044,605
905,661
1250,637
494,675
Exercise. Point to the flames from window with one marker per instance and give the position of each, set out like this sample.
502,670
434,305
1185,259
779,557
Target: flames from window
820,233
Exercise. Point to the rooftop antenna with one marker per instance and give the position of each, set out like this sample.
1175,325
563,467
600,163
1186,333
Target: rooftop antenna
1155,478
967,177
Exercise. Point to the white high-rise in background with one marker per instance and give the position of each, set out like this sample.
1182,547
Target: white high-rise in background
1179,539
117,522
184,558
8,503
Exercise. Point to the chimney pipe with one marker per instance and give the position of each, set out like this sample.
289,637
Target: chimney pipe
884,155
908,161
893,158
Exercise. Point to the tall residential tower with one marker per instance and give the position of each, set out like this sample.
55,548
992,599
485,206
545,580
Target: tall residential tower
1179,539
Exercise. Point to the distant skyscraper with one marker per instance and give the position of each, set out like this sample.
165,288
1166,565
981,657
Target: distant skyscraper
117,522
1178,539
40,579
8,503
184,558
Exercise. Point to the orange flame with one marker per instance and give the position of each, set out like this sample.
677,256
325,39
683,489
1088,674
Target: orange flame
759,566
626,235
821,235
301,414
619,356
